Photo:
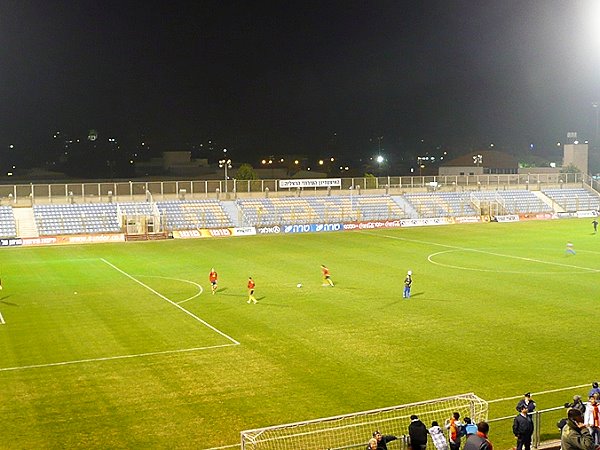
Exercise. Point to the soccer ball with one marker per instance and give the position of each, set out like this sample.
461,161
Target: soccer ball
299,285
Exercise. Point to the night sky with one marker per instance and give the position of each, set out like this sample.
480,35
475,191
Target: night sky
300,77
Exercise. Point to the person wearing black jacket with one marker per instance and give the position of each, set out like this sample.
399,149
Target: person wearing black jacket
577,404
523,429
527,401
417,431
383,439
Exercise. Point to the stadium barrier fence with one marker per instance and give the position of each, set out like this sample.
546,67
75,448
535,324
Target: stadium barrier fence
123,191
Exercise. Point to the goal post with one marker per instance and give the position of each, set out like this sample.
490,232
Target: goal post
352,431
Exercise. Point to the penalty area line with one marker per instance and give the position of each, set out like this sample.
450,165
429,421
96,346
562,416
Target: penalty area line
2,322
111,358
181,308
485,252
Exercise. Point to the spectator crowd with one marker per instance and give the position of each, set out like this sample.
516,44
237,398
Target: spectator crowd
580,430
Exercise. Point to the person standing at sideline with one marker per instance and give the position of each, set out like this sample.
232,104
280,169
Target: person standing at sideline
372,445
479,440
523,429
437,436
468,427
527,401
326,276
577,404
417,431
592,419
213,278
595,390
407,284
595,224
383,439
251,286
575,435
453,426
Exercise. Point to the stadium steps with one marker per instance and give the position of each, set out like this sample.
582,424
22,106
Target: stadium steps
231,209
548,201
26,226
406,206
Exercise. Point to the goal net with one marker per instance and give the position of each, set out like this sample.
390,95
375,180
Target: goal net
352,431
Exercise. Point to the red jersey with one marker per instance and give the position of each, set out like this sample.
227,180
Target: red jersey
251,284
212,277
325,271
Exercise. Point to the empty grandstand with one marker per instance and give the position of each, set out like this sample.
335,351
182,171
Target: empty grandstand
186,215
509,202
441,204
76,218
268,211
8,228
174,215
574,199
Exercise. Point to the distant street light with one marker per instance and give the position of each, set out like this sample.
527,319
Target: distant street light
225,164
477,160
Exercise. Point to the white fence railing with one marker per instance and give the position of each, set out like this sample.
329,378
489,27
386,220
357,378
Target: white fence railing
109,191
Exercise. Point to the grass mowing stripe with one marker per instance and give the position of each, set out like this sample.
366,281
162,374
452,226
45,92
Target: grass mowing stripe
171,302
306,353
111,358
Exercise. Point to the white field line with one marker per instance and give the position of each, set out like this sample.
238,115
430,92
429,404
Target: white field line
2,322
171,302
455,247
225,446
112,358
533,394
200,288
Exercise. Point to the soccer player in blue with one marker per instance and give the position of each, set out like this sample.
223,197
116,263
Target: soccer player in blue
570,250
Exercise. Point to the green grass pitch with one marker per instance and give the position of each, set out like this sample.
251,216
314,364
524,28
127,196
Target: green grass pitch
123,346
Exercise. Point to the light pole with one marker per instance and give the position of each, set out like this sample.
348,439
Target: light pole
226,164
380,160
596,107
420,160
477,160
351,188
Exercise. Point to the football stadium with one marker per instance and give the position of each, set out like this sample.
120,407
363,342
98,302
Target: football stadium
110,335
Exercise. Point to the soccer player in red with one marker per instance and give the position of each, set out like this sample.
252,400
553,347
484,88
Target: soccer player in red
213,278
326,276
251,285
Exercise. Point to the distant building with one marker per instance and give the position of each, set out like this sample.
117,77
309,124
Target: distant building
576,154
174,163
486,162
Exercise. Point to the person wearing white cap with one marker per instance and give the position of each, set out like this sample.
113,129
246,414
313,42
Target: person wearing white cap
407,284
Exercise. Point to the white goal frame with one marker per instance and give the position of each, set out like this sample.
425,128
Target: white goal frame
350,431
